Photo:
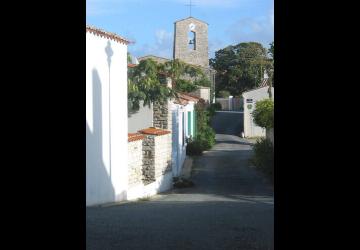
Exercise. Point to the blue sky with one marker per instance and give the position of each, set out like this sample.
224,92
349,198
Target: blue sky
150,23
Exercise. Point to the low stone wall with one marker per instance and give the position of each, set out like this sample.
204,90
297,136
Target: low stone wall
156,153
149,154
148,169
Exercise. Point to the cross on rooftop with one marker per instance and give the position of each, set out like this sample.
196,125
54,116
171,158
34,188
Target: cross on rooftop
190,5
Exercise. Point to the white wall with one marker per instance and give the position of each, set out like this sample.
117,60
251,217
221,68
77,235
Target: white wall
179,150
250,129
143,118
106,120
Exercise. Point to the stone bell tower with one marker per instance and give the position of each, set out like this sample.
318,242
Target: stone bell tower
191,41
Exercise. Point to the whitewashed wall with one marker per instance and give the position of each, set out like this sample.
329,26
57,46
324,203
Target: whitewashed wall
178,149
106,120
250,129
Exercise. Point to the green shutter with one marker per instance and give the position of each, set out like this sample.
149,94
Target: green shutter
194,124
189,123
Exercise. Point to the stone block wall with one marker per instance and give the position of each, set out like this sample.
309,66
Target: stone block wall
157,149
162,117
148,169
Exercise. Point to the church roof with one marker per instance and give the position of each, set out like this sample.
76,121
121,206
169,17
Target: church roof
190,17
106,34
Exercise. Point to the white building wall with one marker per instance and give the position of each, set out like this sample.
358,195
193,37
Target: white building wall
250,129
178,149
106,120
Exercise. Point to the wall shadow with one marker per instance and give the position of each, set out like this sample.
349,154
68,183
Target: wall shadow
99,187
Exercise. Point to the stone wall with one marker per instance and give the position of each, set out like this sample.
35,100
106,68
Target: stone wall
135,156
162,117
148,170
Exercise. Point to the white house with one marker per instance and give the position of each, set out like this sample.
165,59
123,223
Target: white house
106,112
250,99
183,127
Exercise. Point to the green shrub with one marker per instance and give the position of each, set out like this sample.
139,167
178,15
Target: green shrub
264,113
205,135
264,157
194,148
206,138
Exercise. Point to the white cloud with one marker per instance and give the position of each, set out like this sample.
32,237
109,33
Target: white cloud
259,29
162,47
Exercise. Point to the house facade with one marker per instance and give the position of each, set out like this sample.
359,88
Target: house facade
250,98
106,110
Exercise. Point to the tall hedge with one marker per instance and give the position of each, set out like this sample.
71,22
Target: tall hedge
264,113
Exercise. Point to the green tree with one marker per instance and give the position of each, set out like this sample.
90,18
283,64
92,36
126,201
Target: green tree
184,77
240,67
146,84
147,81
264,113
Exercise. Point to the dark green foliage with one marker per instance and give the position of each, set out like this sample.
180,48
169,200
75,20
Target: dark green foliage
205,135
224,93
194,148
185,86
241,67
146,84
147,81
264,157
264,113
206,138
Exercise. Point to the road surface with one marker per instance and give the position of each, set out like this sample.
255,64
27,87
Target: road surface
231,206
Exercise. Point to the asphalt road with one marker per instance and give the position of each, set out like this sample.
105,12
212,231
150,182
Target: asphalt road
230,207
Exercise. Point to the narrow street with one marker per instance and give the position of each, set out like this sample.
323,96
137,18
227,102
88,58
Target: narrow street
231,206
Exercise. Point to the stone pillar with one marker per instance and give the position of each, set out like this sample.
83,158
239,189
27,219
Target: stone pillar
162,117
156,148
148,170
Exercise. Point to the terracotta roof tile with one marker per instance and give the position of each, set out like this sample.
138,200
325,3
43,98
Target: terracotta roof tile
154,131
189,97
108,35
135,137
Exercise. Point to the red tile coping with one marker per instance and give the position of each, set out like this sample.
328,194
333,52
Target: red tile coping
131,65
154,131
189,97
135,137
108,35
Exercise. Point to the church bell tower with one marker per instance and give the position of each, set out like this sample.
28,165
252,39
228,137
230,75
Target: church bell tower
191,41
